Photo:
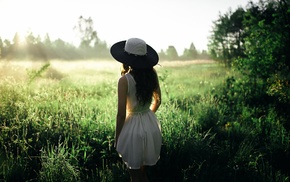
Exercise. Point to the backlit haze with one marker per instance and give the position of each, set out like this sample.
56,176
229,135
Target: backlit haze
159,22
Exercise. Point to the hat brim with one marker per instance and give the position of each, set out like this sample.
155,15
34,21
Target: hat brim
135,61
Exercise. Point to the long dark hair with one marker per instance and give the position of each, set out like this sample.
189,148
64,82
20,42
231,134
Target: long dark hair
146,82
125,69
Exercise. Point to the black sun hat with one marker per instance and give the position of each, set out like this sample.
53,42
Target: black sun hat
135,52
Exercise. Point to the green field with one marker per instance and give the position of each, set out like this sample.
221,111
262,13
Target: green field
57,123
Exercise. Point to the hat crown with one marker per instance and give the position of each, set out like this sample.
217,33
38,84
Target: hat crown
136,46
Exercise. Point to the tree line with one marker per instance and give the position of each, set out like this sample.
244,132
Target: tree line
255,41
90,47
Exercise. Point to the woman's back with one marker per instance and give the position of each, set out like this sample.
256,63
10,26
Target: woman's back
140,140
138,132
133,105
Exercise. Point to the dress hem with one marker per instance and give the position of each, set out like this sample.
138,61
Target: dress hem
144,164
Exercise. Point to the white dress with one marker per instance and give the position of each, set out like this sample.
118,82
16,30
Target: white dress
140,139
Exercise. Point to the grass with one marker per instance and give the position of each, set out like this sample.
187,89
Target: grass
57,122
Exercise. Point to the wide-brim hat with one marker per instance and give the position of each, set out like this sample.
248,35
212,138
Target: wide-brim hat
135,52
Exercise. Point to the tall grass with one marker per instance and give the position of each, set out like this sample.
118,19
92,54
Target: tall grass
59,126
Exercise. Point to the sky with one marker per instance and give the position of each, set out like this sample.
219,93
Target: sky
160,23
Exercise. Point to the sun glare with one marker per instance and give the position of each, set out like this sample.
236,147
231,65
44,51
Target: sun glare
22,38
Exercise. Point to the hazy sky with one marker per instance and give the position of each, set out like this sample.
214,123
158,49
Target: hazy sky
159,22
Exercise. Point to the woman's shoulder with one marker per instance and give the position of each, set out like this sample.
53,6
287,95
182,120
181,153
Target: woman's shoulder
123,79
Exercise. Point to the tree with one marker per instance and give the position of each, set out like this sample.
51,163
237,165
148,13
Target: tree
171,53
6,49
17,50
47,44
16,39
227,39
191,53
86,31
35,47
162,55
267,47
47,41
101,49
91,46
204,55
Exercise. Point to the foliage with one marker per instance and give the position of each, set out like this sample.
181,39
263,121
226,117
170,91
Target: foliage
33,74
64,129
218,124
35,47
190,53
227,39
56,164
87,33
172,53
90,46
264,61
267,61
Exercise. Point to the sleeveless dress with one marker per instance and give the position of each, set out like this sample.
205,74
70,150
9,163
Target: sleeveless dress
139,142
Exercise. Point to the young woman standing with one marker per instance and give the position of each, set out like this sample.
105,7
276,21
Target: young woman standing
138,131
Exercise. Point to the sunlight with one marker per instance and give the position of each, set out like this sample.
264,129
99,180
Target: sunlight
174,23
21,37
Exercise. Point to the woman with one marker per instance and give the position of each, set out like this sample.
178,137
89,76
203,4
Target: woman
138,132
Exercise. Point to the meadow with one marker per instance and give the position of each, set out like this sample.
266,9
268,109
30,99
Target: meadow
57,122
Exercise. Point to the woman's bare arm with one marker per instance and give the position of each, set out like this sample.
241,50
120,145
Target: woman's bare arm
121,113
156,98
